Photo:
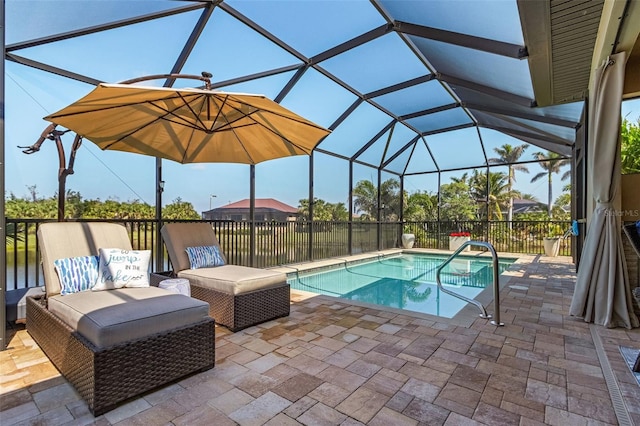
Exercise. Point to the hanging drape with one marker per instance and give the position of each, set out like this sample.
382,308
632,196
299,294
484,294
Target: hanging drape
602,294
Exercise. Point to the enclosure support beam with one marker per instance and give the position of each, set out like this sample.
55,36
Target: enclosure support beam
438,211
488,202
401,213
252,215
3,259
350,208
380,207
310,249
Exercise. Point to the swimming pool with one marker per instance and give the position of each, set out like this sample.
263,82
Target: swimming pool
407,281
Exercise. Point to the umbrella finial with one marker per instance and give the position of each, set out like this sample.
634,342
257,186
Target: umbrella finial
206,77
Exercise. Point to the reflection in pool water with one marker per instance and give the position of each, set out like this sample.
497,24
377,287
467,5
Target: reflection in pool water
405,282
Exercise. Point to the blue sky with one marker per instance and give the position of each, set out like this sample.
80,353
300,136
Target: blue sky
31,94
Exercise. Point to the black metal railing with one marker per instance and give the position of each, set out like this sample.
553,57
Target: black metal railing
279,243
511,237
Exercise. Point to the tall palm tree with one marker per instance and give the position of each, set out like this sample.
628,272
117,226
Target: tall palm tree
509,155
390,199
551,162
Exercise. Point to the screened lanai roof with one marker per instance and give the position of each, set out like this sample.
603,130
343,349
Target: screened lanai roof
406,86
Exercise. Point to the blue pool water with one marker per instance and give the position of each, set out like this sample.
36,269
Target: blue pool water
407,282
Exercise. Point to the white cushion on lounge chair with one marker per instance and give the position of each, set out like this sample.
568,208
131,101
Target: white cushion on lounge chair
106,319
233,279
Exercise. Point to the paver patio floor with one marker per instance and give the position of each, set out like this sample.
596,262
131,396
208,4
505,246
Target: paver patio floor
335,363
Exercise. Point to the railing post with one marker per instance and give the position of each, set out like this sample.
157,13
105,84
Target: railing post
350,207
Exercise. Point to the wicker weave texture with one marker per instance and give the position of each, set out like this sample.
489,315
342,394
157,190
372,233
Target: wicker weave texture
155,278
633,236
244,310
107,376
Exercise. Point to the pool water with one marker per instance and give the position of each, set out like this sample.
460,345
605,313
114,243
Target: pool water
407,281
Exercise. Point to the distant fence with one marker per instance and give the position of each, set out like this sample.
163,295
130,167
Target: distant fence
279,243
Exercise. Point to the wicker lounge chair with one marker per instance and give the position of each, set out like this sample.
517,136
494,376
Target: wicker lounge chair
631,232
113,345
238,296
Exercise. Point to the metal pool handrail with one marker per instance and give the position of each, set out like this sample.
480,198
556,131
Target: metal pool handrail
496,290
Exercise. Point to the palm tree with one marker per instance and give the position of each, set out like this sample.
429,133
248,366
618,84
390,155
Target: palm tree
509,155
498,193
13,234
366,198
551,162
461,179
390,200
338,211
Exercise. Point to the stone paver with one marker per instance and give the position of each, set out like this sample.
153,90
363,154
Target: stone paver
261,410
231,401
334,363
320,414
363,404
297,386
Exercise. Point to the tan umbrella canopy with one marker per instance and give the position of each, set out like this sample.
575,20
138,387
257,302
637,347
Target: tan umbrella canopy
183,125
189,125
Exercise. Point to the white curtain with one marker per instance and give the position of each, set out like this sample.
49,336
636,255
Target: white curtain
602,294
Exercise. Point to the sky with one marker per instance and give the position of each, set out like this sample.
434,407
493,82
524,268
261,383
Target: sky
31,94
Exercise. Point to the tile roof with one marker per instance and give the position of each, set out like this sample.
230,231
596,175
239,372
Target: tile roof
261,203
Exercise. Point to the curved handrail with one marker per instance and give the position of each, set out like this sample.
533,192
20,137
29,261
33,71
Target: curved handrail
496,290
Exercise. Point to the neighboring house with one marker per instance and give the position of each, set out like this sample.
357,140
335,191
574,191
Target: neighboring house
266,209
521,205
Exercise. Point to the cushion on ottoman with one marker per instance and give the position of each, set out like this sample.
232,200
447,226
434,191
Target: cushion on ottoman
108,318
233,279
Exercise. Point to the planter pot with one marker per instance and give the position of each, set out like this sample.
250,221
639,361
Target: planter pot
551,246
408,240
460,266
456,242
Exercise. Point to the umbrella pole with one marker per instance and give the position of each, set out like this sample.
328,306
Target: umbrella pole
252,216
159,189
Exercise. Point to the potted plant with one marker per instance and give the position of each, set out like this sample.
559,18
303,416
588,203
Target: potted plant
408,238
551,242
456,239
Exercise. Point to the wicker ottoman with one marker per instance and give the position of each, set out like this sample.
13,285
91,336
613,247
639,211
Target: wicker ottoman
239,296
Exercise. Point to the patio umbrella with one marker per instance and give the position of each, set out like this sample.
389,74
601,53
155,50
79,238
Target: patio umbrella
189,125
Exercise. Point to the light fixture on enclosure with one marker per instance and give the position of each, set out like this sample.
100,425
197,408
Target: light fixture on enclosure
211,197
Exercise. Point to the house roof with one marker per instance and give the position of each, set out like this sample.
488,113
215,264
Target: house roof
261,203
521,205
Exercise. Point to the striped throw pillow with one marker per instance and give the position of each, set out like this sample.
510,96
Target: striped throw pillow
77,273
204,257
